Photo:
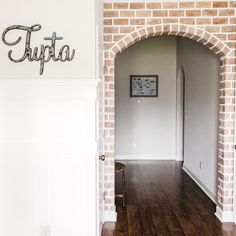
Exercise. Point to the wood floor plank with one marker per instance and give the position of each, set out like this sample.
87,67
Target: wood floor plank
163,200
200,227
146,196
118,233
187,226
181,214
174,226
122,223
161,225
134,228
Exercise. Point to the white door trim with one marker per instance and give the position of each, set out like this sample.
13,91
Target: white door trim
234,190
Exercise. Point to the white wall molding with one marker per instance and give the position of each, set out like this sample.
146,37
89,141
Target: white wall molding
144,157
52,81
200,184
73,81
224,216
234,190
109,216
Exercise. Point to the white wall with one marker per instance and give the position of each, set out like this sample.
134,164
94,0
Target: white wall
201,68
74,20
145,128
180,114
47,127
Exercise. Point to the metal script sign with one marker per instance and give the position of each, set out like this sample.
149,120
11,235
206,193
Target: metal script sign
43,54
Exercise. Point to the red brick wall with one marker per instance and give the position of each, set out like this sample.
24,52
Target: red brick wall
212,23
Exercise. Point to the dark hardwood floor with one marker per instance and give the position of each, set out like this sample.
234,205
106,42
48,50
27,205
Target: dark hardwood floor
163,200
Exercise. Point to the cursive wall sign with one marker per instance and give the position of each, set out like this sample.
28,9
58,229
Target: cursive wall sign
44,54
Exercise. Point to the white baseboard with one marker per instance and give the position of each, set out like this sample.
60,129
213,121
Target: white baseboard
200,184
224,216
109,216
144,157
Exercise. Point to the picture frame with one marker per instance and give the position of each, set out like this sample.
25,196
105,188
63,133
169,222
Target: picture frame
143,85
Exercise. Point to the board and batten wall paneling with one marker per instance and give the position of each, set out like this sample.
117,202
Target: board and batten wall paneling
48,157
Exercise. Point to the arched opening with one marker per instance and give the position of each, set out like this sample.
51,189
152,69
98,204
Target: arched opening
152,128
225,145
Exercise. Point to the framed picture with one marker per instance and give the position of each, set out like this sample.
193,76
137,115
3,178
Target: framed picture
143,85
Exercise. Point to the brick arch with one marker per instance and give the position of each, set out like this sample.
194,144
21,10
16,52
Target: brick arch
192,32
226,106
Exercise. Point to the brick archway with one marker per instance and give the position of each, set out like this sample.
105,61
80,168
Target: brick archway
225,168
194,33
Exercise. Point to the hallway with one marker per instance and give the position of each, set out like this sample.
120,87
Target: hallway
163,200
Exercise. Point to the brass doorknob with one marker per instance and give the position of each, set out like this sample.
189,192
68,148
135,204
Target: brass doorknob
102,157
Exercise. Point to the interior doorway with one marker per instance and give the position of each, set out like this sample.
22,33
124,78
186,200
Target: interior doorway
226,102
184,112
